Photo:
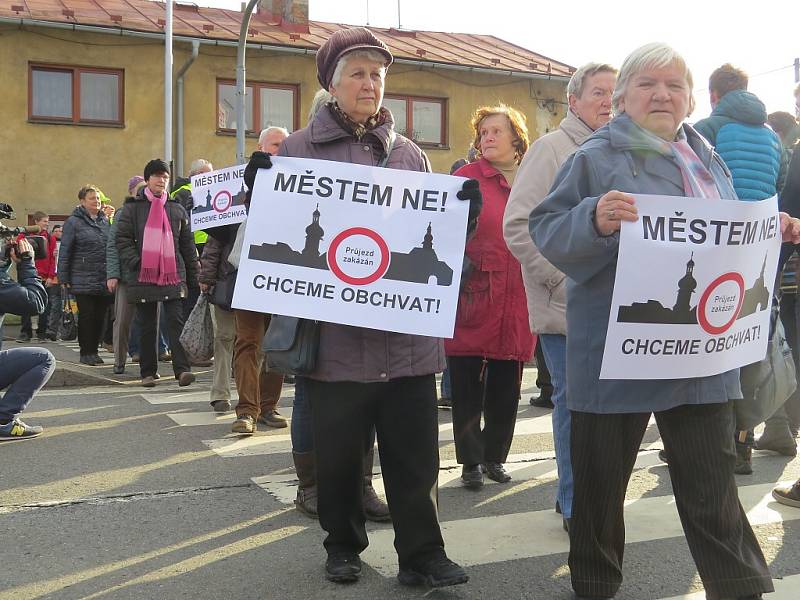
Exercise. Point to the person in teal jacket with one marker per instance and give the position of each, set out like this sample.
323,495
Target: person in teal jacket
737,128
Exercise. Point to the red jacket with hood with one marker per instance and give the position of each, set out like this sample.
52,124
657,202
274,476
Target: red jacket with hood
492,317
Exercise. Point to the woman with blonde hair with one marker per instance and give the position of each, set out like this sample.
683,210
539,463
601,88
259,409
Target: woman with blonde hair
492,337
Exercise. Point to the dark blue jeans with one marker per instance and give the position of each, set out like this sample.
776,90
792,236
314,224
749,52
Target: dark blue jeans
43,327
23,372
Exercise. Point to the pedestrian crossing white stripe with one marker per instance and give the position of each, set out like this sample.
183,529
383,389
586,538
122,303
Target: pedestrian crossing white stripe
195,419
209,417
230,447
522,467
176,397
785,589
538,533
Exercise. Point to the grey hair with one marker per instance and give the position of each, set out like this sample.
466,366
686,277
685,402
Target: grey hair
198,164
579,77
655,55
372,55
265,132
321,98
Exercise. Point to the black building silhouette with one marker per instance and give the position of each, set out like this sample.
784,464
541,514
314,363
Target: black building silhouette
417,266
756,299
238,200
686,287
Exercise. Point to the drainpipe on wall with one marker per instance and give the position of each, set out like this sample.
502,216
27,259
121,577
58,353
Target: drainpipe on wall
240,79
168,85
179,101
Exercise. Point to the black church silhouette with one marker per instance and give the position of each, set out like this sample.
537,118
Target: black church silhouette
416,266
238,200
756,298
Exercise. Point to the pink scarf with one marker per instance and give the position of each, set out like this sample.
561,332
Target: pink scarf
158,247
697,180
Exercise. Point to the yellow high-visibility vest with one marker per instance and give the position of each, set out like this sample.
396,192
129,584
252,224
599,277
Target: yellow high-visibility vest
200,237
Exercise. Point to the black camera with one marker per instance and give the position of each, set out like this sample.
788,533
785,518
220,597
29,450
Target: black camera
8,237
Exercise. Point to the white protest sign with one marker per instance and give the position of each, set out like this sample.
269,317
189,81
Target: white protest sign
218,198
693,287
346,243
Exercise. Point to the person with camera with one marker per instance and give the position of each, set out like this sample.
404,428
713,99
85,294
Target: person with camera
23,371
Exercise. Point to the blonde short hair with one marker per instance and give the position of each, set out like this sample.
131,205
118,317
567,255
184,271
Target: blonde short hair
650,56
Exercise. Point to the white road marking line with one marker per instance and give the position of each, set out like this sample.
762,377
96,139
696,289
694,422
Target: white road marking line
538,533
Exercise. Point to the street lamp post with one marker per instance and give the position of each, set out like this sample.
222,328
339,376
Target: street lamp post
240,81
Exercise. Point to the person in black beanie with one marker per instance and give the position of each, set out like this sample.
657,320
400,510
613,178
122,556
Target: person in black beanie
157,259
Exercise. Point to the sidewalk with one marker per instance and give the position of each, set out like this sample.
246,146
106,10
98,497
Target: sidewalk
71,373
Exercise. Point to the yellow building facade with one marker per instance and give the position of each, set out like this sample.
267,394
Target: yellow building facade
45,163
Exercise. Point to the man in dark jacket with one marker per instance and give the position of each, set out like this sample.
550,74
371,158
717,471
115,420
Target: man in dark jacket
737,128
158,260
23,371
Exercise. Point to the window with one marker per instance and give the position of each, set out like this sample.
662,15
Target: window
267,104
424,120
85,95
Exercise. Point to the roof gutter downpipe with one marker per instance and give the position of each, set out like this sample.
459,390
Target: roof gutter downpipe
240,81
179,109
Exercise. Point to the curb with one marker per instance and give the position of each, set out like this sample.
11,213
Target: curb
71,375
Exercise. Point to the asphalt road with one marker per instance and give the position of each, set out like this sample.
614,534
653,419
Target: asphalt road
135,493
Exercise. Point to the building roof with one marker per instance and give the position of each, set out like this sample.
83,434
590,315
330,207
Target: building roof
190,21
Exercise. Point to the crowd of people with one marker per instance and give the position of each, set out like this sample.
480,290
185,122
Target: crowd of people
541,251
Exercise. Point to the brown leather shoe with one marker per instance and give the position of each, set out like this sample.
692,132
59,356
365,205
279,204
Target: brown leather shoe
149,381
186,378
375,509
244,424
273,418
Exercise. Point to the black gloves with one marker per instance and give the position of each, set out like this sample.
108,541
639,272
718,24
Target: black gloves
258,160
470,191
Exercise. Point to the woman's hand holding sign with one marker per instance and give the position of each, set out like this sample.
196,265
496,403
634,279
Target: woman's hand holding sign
613,208
258,160
790,228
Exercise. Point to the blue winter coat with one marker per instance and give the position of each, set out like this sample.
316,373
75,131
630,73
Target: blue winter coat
82,254
750,149
26,297
617,157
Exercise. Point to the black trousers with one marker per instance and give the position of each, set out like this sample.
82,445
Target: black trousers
698,440
790,307
91,312
543,381
491,388
403,414
148,336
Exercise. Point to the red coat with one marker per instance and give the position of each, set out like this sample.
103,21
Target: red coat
492,317
46,267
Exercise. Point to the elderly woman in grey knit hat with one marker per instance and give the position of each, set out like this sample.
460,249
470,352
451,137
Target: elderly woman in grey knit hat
368,379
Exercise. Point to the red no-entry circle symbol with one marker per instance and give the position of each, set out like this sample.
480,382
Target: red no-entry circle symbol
383,248
222,201
702,318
